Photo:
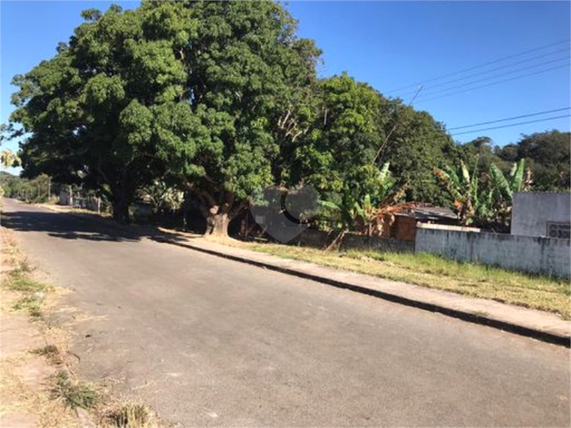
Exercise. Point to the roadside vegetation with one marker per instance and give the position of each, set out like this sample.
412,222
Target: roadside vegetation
39,384
428,270
201,106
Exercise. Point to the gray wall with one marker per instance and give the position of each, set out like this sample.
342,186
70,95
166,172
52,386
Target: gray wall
524,253
532,211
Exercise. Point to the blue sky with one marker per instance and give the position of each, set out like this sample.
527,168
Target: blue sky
390,45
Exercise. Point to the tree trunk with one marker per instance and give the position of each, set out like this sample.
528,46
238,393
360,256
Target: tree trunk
218,214
120,203
217,222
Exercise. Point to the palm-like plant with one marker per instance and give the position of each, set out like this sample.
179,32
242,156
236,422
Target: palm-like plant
368,213
469,201
516,181
503,189
363,214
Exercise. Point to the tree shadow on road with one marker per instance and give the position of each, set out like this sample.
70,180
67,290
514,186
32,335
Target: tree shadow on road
72,226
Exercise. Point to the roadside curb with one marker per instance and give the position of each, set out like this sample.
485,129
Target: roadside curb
469,316
542,335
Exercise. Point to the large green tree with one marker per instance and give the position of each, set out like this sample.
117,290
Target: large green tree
355,131
338,156
248,80
416,145
206,91
83,108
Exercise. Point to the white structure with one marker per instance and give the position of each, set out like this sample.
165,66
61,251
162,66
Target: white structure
524,253
541,214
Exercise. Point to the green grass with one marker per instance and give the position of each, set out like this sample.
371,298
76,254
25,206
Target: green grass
427,270
23,283
31,304
32,292
74,394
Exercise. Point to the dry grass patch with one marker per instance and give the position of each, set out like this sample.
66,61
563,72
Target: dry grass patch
127,415
19,397
52,398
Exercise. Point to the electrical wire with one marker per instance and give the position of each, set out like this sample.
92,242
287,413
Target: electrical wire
494,83
430,88
499,75
510,118
511,125
478,66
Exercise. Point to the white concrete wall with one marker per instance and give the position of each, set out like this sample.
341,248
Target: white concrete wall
524,253
532,211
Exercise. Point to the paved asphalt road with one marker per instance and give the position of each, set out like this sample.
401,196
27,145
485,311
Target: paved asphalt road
212,342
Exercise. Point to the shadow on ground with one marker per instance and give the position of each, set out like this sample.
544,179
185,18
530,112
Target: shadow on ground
83,226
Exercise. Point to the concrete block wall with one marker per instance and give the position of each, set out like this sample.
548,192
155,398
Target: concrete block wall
532,211
550,256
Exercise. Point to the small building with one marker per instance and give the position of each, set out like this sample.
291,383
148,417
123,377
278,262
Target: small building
541,214
404,223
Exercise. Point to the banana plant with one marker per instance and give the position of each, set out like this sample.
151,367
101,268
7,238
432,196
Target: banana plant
503,189
463,188
364,213
516,181
368,213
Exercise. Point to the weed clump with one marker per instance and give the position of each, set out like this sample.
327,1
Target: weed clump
129,415
74,394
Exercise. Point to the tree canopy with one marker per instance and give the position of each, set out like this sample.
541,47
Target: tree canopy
547,155
219,100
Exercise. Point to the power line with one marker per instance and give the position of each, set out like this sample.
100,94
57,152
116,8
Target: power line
430,87
513,124
496,83
510,118
480,65
463,85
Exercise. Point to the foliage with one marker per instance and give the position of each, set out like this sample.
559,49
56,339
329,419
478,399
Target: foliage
164,197
29,190
9,159
547,155
484,200
515,182
471,203
84,109
368,215
502,189
337,156
73,393
416,146
219,100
